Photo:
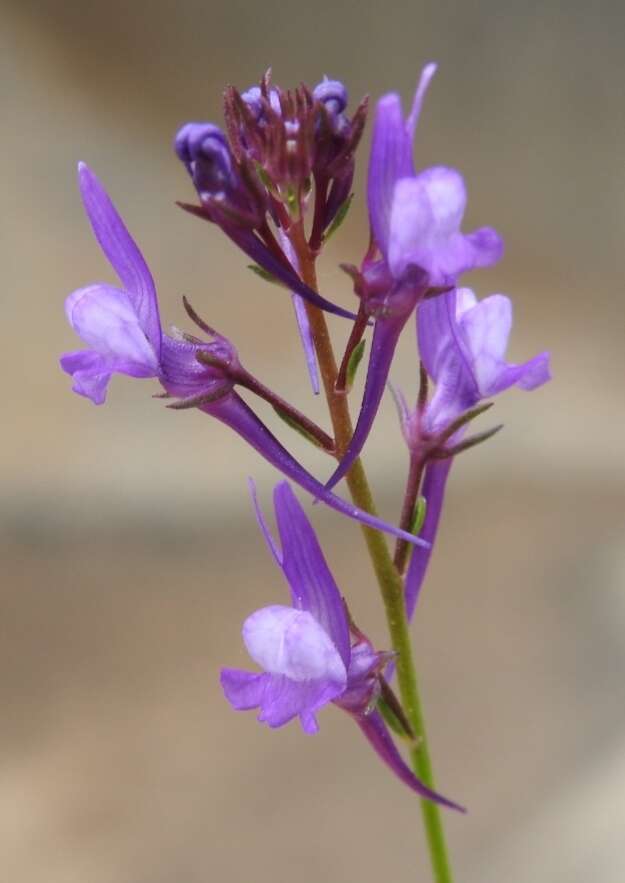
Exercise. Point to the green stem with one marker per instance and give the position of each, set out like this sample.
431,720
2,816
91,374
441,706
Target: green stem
388,577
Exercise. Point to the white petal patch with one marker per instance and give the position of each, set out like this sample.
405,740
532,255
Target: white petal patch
291,642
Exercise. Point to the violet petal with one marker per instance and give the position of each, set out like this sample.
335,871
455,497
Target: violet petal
284,699
91,373
106,319
390,160
122,253
312,585
243,689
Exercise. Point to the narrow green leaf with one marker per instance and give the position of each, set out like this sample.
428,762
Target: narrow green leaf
418,516
393,722
297,427
264,274
354,361
339,217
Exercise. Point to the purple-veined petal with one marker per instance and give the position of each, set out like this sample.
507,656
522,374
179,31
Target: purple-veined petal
486,328
312,585
385,336
122,253
426,213
236,414
527,376
278,698
284,699
434,483
374,728
106,319
486,247
425,228
243,689
252,246
91,373
291,642
434,331
417,102
390,160
447,357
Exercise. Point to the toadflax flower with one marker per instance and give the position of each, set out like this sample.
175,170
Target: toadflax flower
462,343
305,650
122,329
417,247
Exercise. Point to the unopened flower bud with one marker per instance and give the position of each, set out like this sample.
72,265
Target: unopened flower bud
204,150
253,98
332,94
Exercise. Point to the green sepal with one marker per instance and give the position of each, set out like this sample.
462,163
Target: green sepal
352,366
293,424
339,217
393,722
391,710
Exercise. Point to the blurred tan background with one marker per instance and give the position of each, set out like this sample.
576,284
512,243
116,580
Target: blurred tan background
129,552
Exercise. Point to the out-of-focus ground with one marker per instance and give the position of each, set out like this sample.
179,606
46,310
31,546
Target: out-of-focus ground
129,553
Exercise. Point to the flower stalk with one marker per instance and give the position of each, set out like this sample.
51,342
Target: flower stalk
388,577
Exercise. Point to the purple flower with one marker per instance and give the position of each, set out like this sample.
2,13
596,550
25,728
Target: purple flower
122,329
462,343
416,218
415,224
305,649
